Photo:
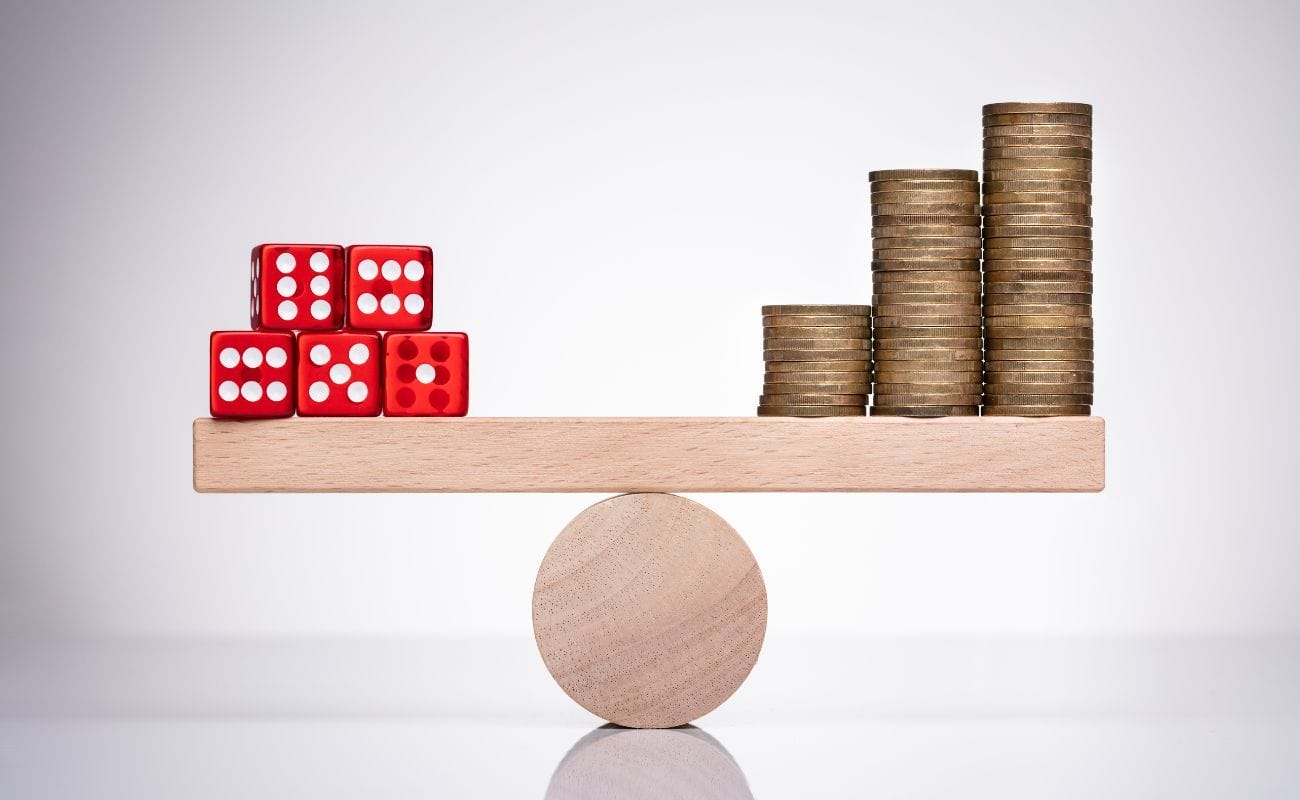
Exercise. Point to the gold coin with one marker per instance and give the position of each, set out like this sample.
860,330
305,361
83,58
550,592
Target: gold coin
1023,231
999,267
887,310
812,310
908,373
961,283
1082,167
1012,369
1044,356
907,394
1064,334
930,356
824,332
884,347
925,186
1016,198
815,342
970,297
1011,346
1081,297
1038,141
1006,311
1040,254
1080,398
811,372
812,411
786,354
931,276
815,321
1040,241
1011,381
924,209
995,173
1000,241
1053,107
1007,326
1038,118
996,276
899,254
816,365
1037,129
967,219
1018,289
901,357
1010,209
969,290
1037,151
916,231
898,336
1012,187
860,388
964,200
813,399
995,219
927,321
1016,392
928,265
923,175
931,412
905,383
1045,381
1038,411
920,400
914,242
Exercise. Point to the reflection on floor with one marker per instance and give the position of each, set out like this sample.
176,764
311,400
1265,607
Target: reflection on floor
651,764
1008,718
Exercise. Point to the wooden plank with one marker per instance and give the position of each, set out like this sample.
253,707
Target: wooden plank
650,454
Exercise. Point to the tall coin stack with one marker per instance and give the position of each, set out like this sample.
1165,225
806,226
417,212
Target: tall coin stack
925,237
1038,259
818,361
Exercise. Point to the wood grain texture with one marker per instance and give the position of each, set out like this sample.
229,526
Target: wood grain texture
650,454
649,610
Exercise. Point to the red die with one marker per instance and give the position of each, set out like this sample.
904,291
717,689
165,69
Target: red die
390,287
298,286
426,374
338,374
251,374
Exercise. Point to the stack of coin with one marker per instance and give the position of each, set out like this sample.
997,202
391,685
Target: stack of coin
925,236
1038,259
818,361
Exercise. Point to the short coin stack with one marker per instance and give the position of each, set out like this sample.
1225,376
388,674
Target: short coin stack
1038,259
925,236
818,361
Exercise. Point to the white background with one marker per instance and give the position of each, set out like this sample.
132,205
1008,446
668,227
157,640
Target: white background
611,191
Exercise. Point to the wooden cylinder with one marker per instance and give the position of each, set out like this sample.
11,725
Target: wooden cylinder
649,610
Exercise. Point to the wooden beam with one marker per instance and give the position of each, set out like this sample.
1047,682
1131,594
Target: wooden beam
650,454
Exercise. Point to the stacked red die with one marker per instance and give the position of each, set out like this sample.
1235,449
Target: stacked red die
328,371
390,287
251,374
339,374
426,374
297,287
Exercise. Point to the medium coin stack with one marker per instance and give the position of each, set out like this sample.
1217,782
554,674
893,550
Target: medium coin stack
925,237
1038,259
818,361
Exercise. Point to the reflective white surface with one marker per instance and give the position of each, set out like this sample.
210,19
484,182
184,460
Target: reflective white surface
818,718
